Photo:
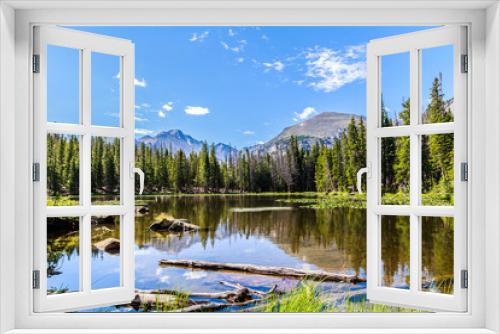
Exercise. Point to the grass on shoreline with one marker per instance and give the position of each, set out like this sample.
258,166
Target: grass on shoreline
314,200
307,298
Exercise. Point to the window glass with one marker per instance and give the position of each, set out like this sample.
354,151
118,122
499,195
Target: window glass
63,85
63,253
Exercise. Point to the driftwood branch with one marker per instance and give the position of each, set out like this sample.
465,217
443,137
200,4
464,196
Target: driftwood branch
252,291
322,276
241,296
216,306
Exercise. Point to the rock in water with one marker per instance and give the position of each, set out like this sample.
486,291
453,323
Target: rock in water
109,245
142,209
173,225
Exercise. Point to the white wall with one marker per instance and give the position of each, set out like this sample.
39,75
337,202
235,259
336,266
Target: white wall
7,176
492,172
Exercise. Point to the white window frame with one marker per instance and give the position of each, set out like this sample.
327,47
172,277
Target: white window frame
412,44
86,44
16,20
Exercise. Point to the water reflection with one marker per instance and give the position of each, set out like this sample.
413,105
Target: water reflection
328,239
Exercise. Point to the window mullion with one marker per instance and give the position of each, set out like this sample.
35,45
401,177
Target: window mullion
415,171
85,185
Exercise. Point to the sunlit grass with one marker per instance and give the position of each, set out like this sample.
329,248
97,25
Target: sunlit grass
62,200
308,298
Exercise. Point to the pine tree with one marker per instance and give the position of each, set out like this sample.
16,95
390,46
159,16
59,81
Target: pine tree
203,174
440,147
402,157
324,182
214,170
388,155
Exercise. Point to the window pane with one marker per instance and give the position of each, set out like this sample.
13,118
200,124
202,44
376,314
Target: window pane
395,170
106,79
105,170
437,84
437,169
63,85
395,252
63,252
63,169
395,89
105,252
437,254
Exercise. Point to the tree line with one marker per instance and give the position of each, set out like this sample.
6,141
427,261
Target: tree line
322,168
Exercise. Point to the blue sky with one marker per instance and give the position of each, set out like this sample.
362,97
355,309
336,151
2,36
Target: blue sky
237,85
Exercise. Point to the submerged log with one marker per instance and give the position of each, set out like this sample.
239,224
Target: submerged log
173,225
241,294
262,209
322,276
109,245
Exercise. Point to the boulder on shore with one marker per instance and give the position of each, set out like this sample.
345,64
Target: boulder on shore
109,245
173,225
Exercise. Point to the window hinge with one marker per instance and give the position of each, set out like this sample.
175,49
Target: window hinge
36,279
464,171
36,172
36,63
464,279
465,63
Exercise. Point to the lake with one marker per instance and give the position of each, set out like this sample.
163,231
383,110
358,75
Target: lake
328,239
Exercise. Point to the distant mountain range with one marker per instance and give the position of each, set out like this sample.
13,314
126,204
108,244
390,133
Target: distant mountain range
175,140
322,128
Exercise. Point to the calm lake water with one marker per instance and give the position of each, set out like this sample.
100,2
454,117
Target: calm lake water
327,239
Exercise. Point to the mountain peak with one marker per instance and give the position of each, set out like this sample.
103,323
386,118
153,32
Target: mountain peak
327,124
176,140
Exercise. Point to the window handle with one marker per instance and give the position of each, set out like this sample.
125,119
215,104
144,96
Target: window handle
358,178
141,179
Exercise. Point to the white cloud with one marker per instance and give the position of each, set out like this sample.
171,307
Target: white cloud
141,119
248,132
161,114
331,69
231,32
168,106
355,51
143,131
237,48
240,60
141,83
260,142
308,111
164,279
198,111
143,106
199,37
264,37
277,66
193,275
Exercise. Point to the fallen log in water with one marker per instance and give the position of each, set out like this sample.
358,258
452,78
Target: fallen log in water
239,295
262,209
322,276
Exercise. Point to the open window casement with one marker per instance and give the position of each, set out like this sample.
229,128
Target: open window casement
88,57
416,216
